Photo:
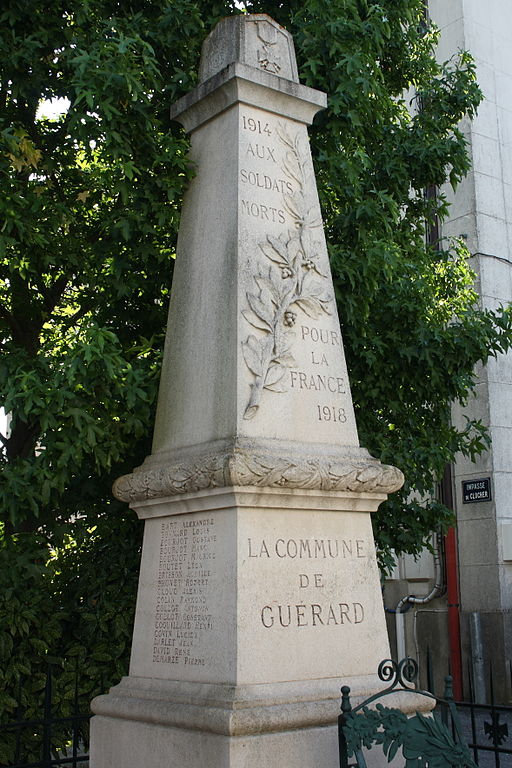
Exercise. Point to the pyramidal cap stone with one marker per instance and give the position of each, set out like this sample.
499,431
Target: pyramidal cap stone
254,387
255,40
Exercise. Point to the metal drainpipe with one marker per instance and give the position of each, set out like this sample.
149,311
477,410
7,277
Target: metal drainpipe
435,592
477,657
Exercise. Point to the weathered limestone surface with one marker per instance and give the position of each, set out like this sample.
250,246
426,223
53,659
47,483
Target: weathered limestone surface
259,592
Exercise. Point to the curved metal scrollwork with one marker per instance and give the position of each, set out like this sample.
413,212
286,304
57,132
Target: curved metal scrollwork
404,673
424,740
408,670
388,672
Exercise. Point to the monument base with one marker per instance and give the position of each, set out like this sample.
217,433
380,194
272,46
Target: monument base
160,724
170,724
242,586
130,745
254,607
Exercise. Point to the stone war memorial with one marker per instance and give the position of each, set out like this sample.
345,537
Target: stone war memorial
259,591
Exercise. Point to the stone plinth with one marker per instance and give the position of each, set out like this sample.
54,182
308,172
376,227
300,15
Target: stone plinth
259,593
251,611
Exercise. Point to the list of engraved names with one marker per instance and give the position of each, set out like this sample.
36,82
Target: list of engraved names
183,618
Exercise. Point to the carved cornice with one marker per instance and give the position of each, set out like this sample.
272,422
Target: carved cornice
261,469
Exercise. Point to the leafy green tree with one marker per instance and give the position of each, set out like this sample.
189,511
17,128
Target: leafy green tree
72,608
89,213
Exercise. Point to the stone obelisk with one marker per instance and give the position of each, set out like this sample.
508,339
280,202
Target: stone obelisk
259,592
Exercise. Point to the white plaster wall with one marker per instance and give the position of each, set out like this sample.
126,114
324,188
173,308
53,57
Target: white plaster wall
482,212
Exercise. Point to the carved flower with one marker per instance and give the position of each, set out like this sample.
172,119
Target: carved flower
289,318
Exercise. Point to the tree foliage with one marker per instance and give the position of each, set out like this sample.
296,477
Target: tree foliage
89,213
71,606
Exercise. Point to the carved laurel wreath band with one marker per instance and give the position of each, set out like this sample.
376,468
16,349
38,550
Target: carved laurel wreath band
237,469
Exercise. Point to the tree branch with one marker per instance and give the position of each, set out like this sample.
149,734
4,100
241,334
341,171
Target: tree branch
22,441
53,293
11,321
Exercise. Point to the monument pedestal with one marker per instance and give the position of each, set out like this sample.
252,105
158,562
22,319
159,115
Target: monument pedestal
262,602
255,605
259,594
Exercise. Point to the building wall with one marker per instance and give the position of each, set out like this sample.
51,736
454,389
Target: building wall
481,213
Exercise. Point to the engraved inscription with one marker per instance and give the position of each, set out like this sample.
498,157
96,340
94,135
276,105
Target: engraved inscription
304,580
289,282
265,212
182,616
310,549
314,615
263,181
255,126
331,413
319,360
262,151
318,382
321,382
257,151
315,609
320,335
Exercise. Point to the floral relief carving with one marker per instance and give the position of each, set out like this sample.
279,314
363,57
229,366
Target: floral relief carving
235,468
268,57
327,474
289,281
185,477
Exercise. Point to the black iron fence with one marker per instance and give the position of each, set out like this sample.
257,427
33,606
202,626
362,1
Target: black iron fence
55,740
487,730
422,740
51,740
481,732
486,725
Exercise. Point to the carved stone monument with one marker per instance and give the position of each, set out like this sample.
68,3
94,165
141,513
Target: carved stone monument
259,591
